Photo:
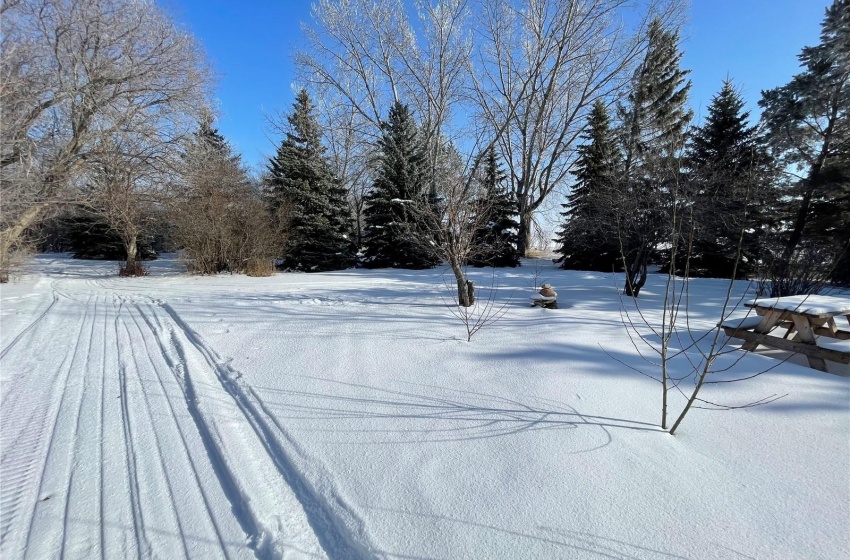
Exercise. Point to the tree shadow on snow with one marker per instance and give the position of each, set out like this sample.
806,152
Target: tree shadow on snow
366,414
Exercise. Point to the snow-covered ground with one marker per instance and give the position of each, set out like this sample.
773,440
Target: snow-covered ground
344,415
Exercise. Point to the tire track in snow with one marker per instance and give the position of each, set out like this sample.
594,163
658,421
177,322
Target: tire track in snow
270,517
176,369
143,547
101,511
24,444
77,440
144,327
49,521
332,521
163,472
29,328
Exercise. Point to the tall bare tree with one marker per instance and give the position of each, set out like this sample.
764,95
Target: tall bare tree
543,64
75,74
372,54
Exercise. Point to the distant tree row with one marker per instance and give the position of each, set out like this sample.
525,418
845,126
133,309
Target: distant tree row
111,127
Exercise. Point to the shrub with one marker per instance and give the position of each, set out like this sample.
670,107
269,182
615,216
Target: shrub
132,269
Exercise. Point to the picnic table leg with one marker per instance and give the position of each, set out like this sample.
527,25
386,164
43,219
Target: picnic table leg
807,335
768,321
829,324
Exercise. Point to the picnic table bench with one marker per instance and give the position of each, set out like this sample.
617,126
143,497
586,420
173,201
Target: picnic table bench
801,324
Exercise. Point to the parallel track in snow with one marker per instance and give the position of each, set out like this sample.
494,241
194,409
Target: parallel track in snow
131,437
332,521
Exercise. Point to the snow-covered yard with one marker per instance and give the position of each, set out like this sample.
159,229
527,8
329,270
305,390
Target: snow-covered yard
344,415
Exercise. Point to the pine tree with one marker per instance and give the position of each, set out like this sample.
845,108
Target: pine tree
588,237
808,127
300,177
654,121
495,238
395,209
728,173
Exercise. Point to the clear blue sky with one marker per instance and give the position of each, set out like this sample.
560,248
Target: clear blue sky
755,42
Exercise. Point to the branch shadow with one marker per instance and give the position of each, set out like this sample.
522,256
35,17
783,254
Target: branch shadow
433,414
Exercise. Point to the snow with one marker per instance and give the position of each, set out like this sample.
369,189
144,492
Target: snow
833,344
810,305
746,323
344,415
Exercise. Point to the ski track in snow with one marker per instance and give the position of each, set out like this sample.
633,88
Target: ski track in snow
71,488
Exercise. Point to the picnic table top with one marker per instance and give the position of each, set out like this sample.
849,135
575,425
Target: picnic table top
805,305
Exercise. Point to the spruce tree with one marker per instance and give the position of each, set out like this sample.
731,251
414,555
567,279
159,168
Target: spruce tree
728,172
300,178
588,237
808,127
396,231
495,238
90,237
654,121
208,138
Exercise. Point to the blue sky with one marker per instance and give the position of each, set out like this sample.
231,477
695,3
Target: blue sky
754,42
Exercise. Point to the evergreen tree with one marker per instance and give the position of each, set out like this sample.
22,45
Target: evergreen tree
208,139
729,170
654,121
300,177
495,238
395,211
808,127
90,237
588,237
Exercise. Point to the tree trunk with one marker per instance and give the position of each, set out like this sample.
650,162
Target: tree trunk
805,204
466,293
465,288
132,246
636,274
524,233
10,236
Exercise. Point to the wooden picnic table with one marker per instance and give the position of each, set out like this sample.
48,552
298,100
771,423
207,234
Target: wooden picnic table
802,324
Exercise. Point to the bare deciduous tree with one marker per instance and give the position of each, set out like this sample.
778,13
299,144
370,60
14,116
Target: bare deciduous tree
74,74
543,66
482,312
678,352
526,85
456,213
368,55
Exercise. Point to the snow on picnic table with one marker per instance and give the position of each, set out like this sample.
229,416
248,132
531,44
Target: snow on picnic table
344,415
806,304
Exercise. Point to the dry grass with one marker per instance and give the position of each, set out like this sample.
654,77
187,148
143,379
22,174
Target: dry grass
540,254
259,267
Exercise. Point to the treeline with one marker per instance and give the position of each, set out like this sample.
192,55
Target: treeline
422,142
